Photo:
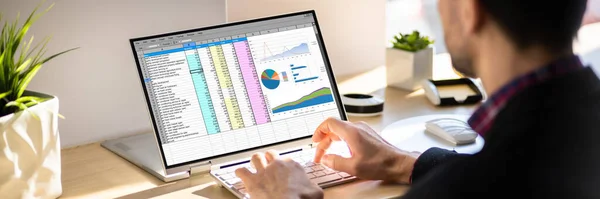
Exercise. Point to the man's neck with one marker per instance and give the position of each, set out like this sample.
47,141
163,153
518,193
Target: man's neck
499,64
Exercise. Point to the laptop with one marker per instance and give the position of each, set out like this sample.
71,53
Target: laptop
217,94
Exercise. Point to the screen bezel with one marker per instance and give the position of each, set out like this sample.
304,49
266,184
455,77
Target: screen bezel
326,60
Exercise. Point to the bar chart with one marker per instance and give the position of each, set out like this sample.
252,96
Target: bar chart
302,73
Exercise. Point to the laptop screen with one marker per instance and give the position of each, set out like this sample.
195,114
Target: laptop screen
220,90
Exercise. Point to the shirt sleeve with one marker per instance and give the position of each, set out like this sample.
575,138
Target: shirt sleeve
432,158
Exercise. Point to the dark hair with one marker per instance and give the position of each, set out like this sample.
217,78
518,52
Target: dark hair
552,24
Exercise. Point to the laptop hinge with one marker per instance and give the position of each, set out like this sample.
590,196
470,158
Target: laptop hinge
215,167
200,168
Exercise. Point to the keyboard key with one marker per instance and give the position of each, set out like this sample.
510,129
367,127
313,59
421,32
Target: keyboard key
232,181
227,176
319,173
329,171
243,191
344,174
220,172
317,167
307,170
231,171
308,152
311,176
299,160
307,158
239,185
309,164
327,178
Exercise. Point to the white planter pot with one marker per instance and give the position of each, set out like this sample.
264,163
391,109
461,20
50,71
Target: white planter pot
30,156
406,70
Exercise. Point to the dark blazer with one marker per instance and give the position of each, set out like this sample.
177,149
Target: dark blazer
545,143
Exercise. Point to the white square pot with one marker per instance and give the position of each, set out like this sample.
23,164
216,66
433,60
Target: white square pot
405,70
30,152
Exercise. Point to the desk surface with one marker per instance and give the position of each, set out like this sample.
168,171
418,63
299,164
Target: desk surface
90,171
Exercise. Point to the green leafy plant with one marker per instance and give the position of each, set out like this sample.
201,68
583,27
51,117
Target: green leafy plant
411,42
19,64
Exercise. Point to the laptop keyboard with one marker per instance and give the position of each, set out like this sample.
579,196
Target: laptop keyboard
316,172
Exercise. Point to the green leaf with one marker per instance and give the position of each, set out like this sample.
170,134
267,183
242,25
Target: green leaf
23,51
30,20
19,105
40,51
3,95
58,54
22,107
23,65
404,47
25,82
412,38
2,79
34,49
30,99
30,74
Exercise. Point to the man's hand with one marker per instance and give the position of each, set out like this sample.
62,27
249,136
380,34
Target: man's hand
277,178
372,158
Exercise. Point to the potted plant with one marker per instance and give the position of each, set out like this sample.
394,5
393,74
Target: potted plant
409,60
30,146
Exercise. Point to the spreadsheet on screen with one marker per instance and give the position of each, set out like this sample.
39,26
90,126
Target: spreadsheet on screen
217,91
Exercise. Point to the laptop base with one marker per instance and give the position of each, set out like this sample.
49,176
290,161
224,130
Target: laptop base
142,151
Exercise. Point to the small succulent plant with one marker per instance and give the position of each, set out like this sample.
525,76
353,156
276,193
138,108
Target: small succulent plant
411,42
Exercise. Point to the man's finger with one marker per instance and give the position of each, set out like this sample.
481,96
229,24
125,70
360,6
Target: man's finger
331,127
339,163
321,149
271,155
245,175
335,137
259,162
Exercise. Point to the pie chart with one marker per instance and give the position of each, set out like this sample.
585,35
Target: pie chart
270,79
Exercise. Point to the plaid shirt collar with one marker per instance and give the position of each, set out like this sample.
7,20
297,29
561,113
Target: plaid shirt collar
483,118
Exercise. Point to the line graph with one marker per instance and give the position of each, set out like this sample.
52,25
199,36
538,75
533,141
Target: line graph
286,52
280,46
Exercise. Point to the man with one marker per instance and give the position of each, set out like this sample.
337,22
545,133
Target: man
541,123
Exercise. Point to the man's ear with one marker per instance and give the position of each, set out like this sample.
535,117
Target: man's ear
471,15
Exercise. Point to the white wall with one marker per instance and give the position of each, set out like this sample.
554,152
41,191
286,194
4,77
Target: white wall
353,30
404,16
98,85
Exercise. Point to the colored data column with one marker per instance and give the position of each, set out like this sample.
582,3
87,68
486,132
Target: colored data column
216,94
238,83
257,98
206,105
235,115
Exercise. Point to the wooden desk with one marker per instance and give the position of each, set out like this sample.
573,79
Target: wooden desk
90,171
